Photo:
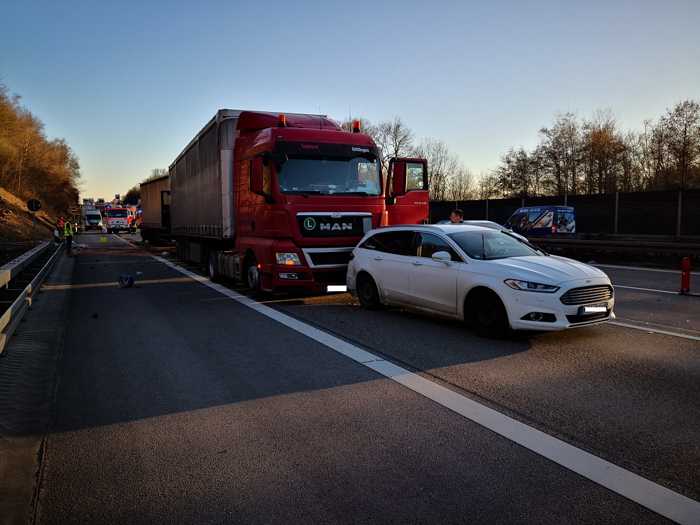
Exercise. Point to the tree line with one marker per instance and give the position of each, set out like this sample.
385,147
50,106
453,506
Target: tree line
31,164
573,156
593,155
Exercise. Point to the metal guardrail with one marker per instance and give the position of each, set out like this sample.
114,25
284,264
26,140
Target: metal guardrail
13,314
13,268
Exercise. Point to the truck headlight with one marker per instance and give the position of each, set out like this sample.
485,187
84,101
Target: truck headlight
288,258
529,286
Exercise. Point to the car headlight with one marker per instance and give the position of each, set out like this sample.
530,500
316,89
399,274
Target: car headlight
288,258
529,286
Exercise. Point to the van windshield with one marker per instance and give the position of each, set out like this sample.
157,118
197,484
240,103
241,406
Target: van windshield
492,244
330,176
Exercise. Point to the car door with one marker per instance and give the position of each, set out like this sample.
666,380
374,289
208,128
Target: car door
433,284
389,262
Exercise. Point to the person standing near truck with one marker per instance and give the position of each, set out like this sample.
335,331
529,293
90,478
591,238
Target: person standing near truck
68,236
456,216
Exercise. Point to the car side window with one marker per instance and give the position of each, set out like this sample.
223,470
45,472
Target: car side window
396,242
426,244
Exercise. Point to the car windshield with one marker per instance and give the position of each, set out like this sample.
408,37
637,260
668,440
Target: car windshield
116,213
492,244
330,176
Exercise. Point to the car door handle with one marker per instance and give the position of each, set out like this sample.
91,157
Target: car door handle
378,258
417,263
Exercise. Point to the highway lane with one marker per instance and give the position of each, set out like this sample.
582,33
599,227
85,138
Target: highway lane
175,405
649,297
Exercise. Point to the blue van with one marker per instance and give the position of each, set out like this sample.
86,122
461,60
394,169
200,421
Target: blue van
533,221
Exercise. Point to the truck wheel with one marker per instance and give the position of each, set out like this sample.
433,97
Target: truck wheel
367,293
252,275
213,267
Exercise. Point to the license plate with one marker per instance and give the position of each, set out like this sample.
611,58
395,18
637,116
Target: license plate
336,288
595,309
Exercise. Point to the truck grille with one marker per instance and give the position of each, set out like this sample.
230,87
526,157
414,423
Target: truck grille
587,295
330,226
328,258
329,276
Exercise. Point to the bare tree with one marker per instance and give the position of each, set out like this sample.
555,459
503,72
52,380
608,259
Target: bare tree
460,186
394,139
442,166
682,125
488,186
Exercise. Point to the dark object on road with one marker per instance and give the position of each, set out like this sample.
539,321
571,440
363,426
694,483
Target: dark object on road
33,205
126,281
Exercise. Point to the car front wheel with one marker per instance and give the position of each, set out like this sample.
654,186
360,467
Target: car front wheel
486,313
367,292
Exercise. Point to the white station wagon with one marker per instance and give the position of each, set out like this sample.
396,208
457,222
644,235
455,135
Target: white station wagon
490,278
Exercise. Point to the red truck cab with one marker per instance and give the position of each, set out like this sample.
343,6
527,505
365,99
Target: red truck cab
302,194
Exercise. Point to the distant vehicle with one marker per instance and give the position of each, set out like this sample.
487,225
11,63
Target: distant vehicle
115,220
536,221
488,278
92,220
486,224
278,201
155,206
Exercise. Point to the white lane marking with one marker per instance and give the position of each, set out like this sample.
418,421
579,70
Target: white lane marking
639,268
644,289
655,331
646,493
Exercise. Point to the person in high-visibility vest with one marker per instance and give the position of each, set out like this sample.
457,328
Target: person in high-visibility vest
68,236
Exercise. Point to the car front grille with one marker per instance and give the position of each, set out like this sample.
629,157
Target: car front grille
587,295
587,318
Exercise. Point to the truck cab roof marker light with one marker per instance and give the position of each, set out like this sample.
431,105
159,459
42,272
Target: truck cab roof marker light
356,126
282,120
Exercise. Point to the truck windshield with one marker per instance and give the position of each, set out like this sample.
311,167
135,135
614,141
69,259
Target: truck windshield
330,176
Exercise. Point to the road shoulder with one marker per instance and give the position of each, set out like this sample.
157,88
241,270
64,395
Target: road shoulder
28,378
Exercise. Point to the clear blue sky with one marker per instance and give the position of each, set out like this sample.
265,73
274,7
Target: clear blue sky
127,84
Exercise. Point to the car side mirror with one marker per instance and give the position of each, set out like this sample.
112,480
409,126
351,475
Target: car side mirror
443,257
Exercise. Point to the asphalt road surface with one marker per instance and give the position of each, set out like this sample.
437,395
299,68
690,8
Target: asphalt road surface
179,403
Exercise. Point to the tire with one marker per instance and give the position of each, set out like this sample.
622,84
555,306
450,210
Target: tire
252,276
488,316
213,267
367,293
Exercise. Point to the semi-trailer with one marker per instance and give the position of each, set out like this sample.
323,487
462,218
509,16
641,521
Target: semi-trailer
278,201
155,208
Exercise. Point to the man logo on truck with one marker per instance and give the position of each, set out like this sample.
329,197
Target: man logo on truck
336,227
